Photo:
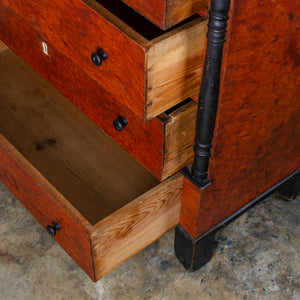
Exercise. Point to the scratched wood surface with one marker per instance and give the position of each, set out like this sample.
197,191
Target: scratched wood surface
257,136
124,75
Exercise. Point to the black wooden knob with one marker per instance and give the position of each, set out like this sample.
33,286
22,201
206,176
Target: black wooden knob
97,57
120,123
51,229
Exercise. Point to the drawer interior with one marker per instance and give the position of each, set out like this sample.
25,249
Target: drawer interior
136,21
167,13
84,164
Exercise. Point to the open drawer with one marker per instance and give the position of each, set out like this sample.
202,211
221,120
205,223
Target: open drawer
164,145
146,69
100,205
167,13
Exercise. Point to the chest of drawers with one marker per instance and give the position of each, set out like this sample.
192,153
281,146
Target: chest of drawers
105,199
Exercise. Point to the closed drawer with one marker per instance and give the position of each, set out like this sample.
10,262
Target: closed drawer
66,170
167,13
163,145
146,70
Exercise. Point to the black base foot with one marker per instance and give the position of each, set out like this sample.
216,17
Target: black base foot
291,188
193,253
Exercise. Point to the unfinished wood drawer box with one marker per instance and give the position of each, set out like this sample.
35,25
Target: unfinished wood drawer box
67,171
146,70
167,13
163,145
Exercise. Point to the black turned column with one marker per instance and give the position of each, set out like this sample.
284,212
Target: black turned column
209,92
194,253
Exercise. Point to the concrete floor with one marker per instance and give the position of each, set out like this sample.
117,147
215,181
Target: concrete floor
257,258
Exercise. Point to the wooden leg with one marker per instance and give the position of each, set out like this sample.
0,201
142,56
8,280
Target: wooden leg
290,189
241,173
193,253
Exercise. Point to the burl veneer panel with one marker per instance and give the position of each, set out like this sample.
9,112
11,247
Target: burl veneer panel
257,135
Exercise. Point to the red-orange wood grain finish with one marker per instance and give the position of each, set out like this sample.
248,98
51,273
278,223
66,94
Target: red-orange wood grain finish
257,135
167,13
48,205
203,13
77,30
154,10
143,140
190,207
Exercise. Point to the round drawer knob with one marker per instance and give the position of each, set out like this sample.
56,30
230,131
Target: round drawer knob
120,123
51,229
97,57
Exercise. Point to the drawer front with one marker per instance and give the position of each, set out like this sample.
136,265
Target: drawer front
41,199
136,225
76,31
163,145
167,13
134,73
